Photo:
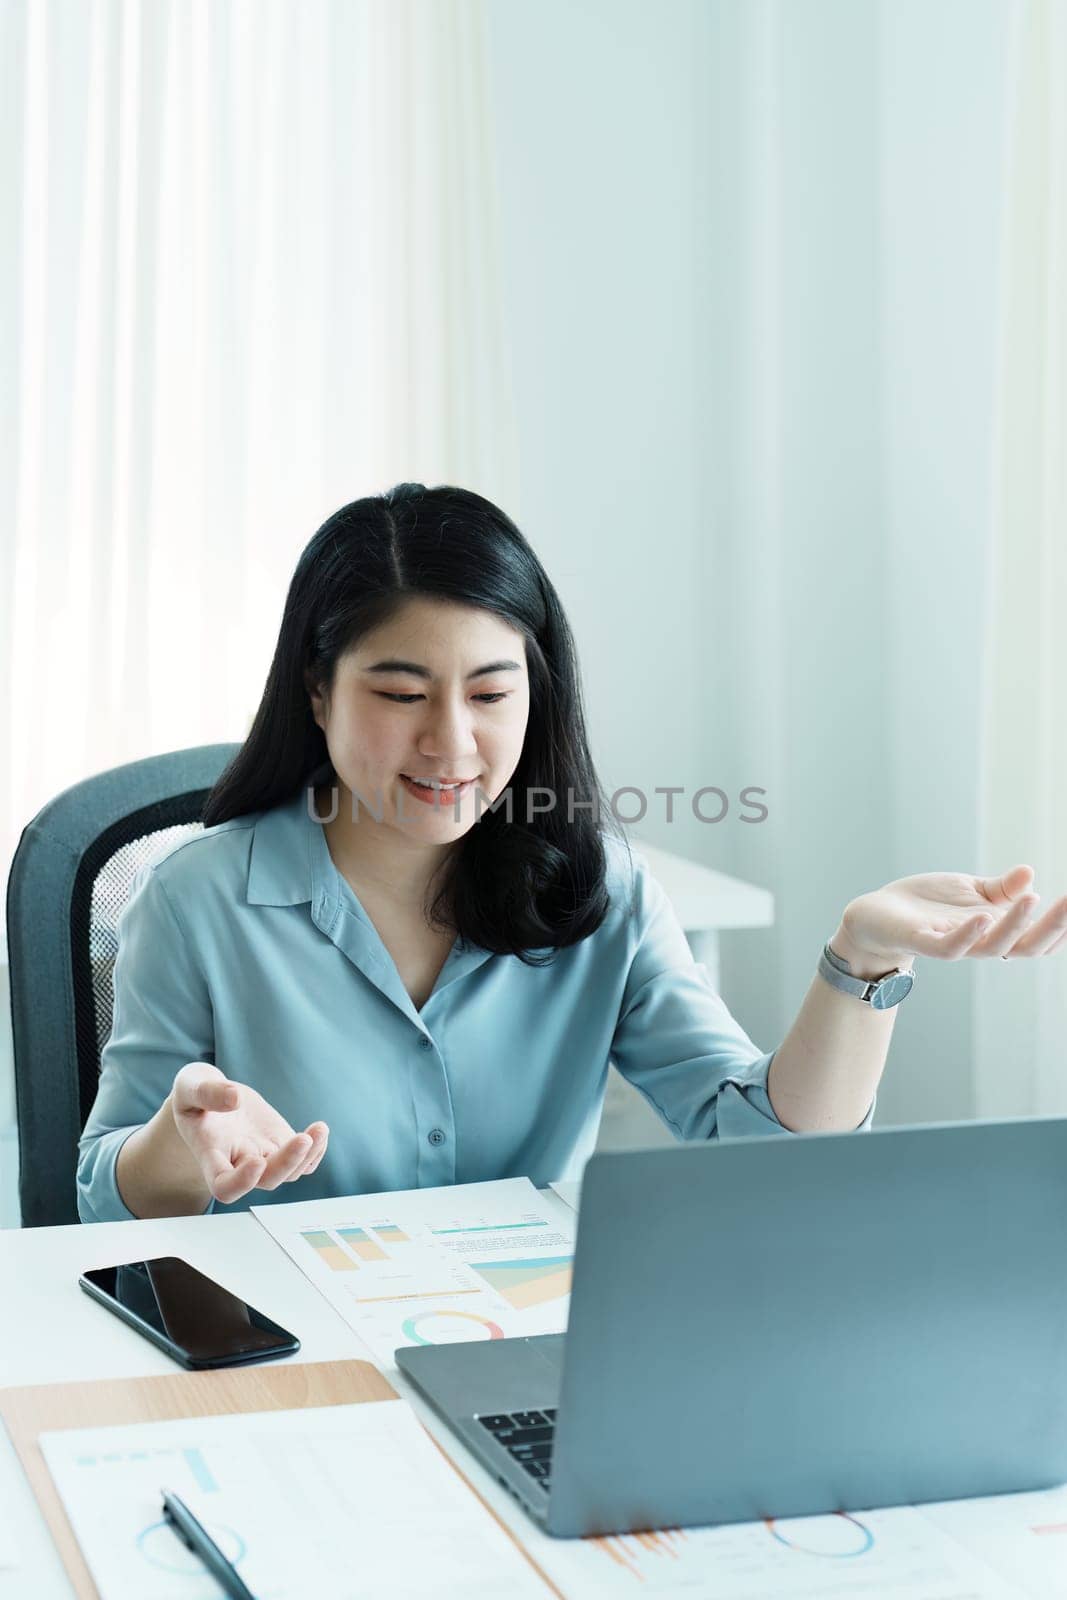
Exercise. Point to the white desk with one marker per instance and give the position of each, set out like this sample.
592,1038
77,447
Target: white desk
51,1332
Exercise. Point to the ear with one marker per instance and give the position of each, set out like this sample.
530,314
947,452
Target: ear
317,697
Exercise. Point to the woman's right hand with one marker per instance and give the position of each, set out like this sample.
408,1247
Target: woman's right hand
239,1141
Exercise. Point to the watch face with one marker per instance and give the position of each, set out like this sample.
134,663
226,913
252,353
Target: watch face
891,991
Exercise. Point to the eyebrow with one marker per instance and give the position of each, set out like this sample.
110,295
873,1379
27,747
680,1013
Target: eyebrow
418,671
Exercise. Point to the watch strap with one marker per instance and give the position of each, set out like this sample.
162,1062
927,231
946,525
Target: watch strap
839,975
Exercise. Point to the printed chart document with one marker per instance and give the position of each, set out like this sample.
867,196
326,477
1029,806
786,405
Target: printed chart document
346,1501
867,1555
435,1266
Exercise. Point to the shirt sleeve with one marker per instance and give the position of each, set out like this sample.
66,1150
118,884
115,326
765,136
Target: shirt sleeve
162,1018
677,1043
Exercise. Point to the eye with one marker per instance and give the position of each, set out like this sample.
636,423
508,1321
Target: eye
406,699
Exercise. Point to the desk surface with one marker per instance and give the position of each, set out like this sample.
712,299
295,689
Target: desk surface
52,1332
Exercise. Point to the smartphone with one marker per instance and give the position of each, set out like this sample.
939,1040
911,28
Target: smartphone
195,1320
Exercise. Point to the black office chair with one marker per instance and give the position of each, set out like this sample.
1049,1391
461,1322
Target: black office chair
70,879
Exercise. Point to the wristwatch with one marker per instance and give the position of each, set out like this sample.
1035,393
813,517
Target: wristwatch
881,993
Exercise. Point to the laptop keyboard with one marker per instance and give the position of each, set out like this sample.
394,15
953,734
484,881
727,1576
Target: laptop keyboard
527,1438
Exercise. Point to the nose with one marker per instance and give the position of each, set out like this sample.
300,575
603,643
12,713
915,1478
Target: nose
447,737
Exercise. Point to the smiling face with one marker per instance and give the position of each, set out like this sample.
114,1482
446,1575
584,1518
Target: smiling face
439,693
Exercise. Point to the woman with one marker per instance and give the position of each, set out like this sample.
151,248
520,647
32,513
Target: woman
408,917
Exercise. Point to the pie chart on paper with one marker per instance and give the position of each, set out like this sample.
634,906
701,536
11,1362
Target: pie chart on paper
449,1327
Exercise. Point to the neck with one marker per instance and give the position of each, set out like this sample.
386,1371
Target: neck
379,859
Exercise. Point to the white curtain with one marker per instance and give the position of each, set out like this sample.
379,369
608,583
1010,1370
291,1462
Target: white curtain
251,273
1022,1006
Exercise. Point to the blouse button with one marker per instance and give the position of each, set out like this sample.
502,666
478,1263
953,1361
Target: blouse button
425,1043
436,1136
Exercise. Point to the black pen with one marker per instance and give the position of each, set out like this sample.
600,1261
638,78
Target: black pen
201,1543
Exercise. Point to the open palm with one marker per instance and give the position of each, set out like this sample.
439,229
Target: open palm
950,914
239,1140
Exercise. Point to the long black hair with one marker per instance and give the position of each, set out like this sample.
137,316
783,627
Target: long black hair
525,886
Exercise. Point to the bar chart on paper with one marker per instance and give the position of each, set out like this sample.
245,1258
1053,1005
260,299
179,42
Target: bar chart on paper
435,1266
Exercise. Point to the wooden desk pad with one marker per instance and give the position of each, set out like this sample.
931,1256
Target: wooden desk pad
45,1407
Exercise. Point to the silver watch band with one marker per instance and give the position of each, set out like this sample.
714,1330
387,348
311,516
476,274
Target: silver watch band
880,993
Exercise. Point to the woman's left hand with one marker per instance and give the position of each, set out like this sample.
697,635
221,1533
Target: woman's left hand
948,915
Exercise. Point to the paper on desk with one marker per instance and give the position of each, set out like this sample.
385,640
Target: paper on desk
435,1266
1023,1536
348,1501
568,1191
892,1555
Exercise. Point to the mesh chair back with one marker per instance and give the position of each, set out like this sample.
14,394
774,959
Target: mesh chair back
70,879
107,875
108,896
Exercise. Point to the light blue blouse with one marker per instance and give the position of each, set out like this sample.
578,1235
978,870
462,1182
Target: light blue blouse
244,946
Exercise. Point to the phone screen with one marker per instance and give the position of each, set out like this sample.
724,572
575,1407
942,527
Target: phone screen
195,1318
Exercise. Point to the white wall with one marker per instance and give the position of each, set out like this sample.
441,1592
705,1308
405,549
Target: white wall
941,169
601,168
751,250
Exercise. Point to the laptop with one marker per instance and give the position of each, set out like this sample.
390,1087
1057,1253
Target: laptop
770,1327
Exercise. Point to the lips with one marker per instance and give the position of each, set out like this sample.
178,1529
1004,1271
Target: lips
440,783
434,791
